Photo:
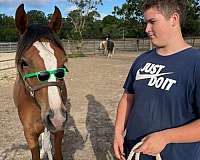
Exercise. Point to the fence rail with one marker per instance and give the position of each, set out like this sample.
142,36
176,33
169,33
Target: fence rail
7,69
7,64
92,46
87,46
7,60
8,47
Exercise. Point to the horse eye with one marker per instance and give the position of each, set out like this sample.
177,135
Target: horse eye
23,64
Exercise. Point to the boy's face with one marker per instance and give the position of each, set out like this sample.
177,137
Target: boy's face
159,28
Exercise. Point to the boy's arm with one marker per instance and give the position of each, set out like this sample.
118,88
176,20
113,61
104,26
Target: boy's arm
123,111
156,142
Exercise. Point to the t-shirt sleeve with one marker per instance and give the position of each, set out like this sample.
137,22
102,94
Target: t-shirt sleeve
197,87
128,85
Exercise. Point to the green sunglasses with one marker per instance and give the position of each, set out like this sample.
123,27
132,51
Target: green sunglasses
59,73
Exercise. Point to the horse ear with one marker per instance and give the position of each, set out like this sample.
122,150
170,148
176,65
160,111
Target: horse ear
21,19
56,21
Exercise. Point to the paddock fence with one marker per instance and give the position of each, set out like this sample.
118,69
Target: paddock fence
87,47
92,46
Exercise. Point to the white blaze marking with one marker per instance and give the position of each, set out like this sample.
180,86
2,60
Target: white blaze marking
50,62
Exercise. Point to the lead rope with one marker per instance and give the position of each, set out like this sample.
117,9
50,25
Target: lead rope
46,145
137,155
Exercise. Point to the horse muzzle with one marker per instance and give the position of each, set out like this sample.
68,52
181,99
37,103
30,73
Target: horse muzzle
55,121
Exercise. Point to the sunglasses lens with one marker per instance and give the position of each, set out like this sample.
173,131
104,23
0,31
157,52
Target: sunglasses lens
60,73
43,76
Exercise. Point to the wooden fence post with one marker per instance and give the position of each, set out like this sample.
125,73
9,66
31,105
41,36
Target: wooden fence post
151,45
94,47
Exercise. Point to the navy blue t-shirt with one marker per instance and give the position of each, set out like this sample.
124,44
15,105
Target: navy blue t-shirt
167,95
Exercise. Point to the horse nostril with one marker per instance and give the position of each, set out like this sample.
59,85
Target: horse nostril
47,121
66,117
64,112
50,114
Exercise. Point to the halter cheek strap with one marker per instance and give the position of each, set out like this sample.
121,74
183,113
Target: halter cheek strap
137,155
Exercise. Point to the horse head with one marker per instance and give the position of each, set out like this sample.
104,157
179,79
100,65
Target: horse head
40,61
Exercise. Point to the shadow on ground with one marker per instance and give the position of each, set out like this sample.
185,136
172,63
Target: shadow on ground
12,151
100,129
73,140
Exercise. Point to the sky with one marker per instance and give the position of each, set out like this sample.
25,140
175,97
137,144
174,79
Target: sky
8,7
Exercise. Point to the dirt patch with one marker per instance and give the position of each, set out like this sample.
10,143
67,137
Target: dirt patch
94,88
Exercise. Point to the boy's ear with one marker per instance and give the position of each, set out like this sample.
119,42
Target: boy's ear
175,19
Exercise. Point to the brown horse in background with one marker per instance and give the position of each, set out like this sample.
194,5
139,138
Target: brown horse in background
108,47
40,93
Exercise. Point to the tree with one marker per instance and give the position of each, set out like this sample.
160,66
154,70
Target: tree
131,10
7,29
92,25
36,16
191,23
109,20
78,16
66,30
112,26
8,35
78,23
7,21
131,14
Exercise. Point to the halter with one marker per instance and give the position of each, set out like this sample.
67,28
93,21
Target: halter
32,89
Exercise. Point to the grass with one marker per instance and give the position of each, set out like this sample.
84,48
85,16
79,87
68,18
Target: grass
76,54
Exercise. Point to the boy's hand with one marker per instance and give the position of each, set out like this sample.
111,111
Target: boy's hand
118,146
153,144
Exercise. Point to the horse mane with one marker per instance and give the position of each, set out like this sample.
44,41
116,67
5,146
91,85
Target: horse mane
36,32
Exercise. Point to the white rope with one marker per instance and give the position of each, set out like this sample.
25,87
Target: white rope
137,155
46,145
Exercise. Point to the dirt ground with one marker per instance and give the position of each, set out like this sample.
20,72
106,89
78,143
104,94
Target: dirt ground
94,88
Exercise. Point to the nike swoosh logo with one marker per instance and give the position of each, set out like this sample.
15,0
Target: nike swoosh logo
140,76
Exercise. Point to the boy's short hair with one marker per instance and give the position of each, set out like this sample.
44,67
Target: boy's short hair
167,7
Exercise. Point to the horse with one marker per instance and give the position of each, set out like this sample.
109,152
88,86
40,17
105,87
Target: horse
40,93
103,46
108,47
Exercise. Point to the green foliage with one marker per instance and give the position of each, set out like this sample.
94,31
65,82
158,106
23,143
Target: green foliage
131,10
7,29
131,14
76,36
36,16
79,17
86,5
84,23
65,32
92,26
6,20
110,20
191,24
76,55
8,35
132,17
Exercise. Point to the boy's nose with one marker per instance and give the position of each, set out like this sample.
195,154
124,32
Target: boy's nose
148,28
